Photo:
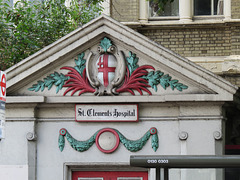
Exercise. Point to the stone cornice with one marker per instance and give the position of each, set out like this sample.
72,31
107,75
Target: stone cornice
120,99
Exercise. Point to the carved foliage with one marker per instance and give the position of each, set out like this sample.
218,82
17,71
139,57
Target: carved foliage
76,82
53,79
137,145
80,63
130,145
105,44
157,77
137,78
80,146
135,81
132,61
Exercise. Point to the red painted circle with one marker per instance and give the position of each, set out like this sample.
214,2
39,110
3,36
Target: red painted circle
153,130
114,133
3,85
63,131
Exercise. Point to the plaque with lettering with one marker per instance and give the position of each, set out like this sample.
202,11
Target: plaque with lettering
106,112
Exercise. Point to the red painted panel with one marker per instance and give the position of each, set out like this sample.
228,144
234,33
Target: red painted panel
108,175
232,147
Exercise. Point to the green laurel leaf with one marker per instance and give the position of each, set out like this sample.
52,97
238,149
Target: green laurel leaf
80,63
61,142
132,61
155,142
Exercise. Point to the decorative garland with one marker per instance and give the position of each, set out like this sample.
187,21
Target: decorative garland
137,145
137,77
130,145
80,146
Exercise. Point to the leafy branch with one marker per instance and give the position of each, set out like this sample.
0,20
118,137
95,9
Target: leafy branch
53,79
135,81
80,63
132,61
77,82
155,78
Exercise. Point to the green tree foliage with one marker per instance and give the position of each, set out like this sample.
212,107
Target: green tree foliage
29,26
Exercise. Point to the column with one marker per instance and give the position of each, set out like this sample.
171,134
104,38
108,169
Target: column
227,9
143,11
185,10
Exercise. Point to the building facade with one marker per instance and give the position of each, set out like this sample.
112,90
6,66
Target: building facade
210,40
205,32
79,108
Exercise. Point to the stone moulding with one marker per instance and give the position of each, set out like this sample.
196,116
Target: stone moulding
128,76
131,145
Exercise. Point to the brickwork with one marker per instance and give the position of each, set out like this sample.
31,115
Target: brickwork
128,10
193,42
235,40
235,9
125,10
190,40
234,79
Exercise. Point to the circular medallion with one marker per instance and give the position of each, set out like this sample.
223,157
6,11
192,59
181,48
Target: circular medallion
63,131
153,130
107,140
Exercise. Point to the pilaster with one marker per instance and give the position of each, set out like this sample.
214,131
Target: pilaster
185,10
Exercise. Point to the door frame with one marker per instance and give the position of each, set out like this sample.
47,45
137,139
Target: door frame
68,167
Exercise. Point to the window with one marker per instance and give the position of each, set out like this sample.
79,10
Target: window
184,10
208,7
170,9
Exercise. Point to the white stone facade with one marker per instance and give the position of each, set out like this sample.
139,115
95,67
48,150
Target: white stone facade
190,122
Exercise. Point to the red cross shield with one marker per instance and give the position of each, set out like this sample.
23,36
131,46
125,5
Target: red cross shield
106,64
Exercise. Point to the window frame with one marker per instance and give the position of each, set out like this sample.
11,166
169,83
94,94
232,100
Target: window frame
212,10
69,167
185,14
162,17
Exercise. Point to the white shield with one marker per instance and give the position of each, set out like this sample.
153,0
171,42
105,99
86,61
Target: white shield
106,65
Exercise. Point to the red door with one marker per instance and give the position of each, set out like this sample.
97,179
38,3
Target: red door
109,175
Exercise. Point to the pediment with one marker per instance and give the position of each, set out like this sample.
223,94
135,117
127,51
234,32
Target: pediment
106,58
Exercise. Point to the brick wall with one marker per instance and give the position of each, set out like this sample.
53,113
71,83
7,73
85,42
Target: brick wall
232,78
192,42
125,10
235,9
188,40
235,39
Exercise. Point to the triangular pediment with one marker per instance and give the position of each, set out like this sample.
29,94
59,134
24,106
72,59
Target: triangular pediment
69,68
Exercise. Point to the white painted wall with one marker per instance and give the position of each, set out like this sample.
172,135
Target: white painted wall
18,154
50,158
13,172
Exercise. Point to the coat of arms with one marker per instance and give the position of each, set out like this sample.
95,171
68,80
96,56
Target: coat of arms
108,72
